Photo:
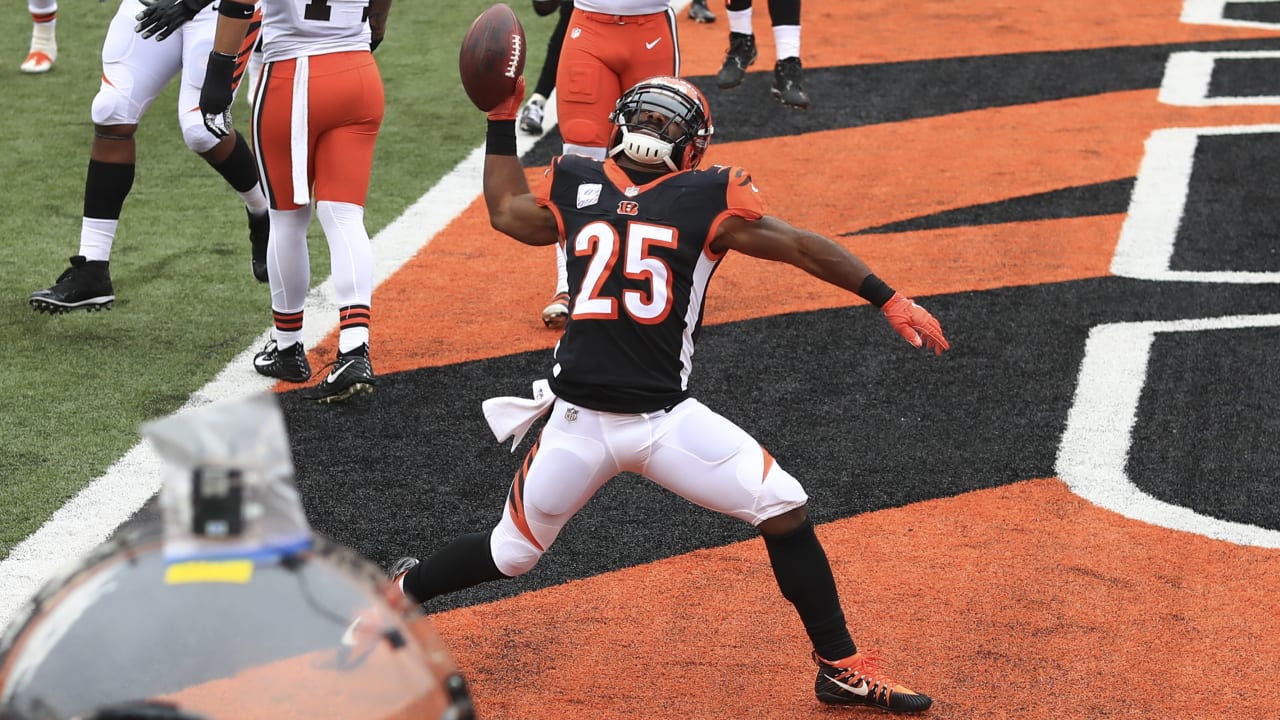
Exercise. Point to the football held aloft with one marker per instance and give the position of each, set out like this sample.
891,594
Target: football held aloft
491,59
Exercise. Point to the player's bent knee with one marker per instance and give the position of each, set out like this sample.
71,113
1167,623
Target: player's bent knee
196,135
112,107
513,554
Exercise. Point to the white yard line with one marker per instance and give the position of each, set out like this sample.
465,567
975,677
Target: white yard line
109,501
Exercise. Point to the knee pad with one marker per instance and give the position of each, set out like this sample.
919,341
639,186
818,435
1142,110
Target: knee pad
513,553
112,107
585,133
194,133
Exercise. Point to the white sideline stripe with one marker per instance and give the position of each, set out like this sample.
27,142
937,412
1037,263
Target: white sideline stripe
109,501
1093,455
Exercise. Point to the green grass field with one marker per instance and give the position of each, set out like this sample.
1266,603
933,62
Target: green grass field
74,388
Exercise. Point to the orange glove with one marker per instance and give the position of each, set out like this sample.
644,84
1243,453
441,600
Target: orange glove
509,108
912,322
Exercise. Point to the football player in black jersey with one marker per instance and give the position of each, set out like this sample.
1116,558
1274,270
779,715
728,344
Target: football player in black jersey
644,231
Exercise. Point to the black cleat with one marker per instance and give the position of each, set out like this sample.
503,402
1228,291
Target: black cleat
858,680
283,363
350,375
259,231
86,285
699,12
742,53
788,83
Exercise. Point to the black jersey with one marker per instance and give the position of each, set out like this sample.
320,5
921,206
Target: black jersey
638,262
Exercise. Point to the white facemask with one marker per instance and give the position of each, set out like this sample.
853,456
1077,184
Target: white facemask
644,148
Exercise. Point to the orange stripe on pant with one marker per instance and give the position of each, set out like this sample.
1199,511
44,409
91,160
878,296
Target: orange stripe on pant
345,104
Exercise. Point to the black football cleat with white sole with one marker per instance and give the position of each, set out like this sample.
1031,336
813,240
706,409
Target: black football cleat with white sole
350,375
86,285
288,363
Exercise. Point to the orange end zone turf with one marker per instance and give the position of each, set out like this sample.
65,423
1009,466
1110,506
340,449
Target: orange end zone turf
1018,602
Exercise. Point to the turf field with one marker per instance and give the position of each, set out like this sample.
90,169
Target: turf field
76,387
1073,514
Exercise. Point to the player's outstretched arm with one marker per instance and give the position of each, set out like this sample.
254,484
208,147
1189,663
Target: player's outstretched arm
770,238
512,209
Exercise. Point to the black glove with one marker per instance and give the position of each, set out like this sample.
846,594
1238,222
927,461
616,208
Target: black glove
162,17
374,43
217,93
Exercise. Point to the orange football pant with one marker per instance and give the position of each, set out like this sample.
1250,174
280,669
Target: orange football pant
602,56
344,108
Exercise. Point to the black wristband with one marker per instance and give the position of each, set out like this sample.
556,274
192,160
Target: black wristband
237,10
501,138
874,291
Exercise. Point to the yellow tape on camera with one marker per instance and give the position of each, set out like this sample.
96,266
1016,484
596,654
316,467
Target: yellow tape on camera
209,571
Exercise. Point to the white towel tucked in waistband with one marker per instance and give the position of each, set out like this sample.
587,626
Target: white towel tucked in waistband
298,137
513,416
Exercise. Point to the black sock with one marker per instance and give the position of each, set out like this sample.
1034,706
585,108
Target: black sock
462,563
239,169
784,12
804,577
105,188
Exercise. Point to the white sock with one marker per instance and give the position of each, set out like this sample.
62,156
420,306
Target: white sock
96,236
44,38
255,200
740,21
786,38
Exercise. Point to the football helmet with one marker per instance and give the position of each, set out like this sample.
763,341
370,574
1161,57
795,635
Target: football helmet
662,120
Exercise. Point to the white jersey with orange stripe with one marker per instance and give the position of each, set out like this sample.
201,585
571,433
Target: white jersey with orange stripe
297,28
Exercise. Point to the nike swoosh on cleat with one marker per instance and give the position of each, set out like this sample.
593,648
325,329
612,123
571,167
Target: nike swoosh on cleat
338,371
861,688
263,361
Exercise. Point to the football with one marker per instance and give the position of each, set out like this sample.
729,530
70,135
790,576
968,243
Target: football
491,59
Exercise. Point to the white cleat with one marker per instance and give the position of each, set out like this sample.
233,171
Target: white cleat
37,61
44,49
